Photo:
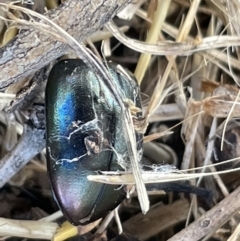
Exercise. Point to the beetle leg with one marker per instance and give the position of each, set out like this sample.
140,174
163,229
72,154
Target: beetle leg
133,109
140,124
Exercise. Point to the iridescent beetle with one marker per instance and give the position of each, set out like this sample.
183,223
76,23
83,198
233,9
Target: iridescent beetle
84,136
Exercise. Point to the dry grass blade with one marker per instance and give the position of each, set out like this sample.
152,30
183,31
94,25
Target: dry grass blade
152,37
171,48
151,177
28,229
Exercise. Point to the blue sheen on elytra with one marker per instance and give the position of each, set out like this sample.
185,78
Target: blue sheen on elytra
75,95
65,110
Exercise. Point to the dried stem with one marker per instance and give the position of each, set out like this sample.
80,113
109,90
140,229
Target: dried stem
211,220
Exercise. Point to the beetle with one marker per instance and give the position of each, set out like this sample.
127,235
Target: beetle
84,135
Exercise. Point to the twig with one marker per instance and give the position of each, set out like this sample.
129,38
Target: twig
32,92
211,220
30,144
31,50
